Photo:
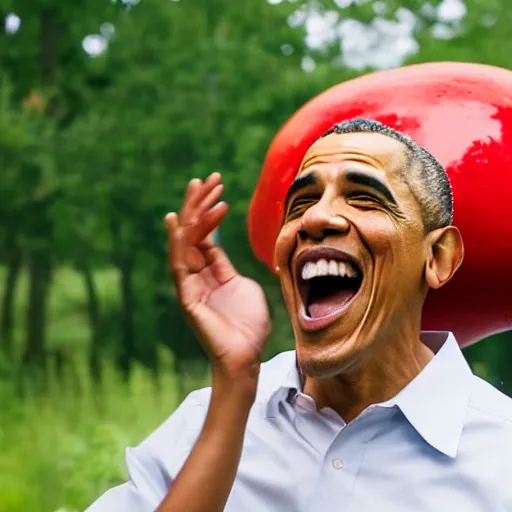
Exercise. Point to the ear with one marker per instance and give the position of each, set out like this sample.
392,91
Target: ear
446,253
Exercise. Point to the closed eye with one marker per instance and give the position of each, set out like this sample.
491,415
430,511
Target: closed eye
364,199
299,206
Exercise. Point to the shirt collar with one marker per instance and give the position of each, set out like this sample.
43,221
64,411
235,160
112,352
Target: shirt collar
434,402
288,381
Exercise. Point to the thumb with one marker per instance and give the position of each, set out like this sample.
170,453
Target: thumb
221,267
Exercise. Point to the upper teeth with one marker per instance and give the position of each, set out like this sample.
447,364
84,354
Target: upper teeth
328,268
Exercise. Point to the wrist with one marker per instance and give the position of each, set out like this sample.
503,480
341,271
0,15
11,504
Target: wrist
230,373
239,386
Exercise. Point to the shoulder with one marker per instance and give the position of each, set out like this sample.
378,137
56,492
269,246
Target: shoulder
172,440
272,374
182,427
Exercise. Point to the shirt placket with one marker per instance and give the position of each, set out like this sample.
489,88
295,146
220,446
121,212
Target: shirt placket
341,463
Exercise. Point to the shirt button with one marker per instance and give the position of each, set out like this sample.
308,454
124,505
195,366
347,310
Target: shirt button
337,463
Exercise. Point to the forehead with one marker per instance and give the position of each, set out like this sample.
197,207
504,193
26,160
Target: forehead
374,150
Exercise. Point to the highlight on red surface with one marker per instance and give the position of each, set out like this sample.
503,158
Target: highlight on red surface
460,112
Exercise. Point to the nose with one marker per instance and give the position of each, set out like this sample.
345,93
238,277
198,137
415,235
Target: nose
319,221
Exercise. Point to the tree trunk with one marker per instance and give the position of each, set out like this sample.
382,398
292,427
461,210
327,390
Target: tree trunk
39,261
39,274
94,316
7,311
127,348
124,262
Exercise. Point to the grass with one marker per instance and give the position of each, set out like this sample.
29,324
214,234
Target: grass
60,450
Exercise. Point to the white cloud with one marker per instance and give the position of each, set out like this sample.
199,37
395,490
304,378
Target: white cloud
381,44
297,18
12,23
321,28
308,64
94,44
343,3
380,8
450,11
442,31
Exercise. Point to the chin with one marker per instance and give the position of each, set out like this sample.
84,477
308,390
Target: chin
322,362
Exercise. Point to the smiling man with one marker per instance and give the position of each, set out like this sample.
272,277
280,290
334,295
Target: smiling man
368,413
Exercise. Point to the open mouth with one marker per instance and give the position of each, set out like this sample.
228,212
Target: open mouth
328,281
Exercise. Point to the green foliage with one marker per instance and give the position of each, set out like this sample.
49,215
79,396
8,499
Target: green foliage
63,449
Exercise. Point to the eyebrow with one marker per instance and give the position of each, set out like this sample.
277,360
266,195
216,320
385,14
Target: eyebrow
299,183
360,178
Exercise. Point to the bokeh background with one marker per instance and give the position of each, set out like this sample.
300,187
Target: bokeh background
107,109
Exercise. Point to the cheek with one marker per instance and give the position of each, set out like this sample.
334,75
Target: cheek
392,242
285,244
380,233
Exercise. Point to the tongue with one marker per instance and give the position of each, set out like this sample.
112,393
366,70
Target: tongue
323,306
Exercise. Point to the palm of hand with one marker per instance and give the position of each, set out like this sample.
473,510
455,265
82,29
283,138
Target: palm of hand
232,305
228,311
242,303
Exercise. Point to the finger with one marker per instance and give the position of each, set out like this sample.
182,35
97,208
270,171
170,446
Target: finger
220,265
210,221
209,201
213,179
191,198
177,248
189,211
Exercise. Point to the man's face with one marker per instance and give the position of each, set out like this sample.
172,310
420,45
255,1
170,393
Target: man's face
351,251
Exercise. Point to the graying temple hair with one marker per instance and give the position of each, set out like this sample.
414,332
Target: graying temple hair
425,176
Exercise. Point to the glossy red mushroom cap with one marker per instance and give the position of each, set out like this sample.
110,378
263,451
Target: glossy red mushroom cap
462,113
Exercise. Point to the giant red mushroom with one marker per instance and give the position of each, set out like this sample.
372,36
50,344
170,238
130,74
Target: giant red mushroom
462,113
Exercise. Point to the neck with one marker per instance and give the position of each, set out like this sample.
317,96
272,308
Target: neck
375,379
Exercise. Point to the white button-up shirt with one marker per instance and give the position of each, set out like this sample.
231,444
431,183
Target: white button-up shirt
443,444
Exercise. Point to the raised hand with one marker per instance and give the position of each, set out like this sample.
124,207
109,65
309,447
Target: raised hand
228,311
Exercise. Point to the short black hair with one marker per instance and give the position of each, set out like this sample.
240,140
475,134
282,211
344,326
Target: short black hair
425,176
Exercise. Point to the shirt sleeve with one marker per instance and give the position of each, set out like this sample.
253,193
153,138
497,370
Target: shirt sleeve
153,465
